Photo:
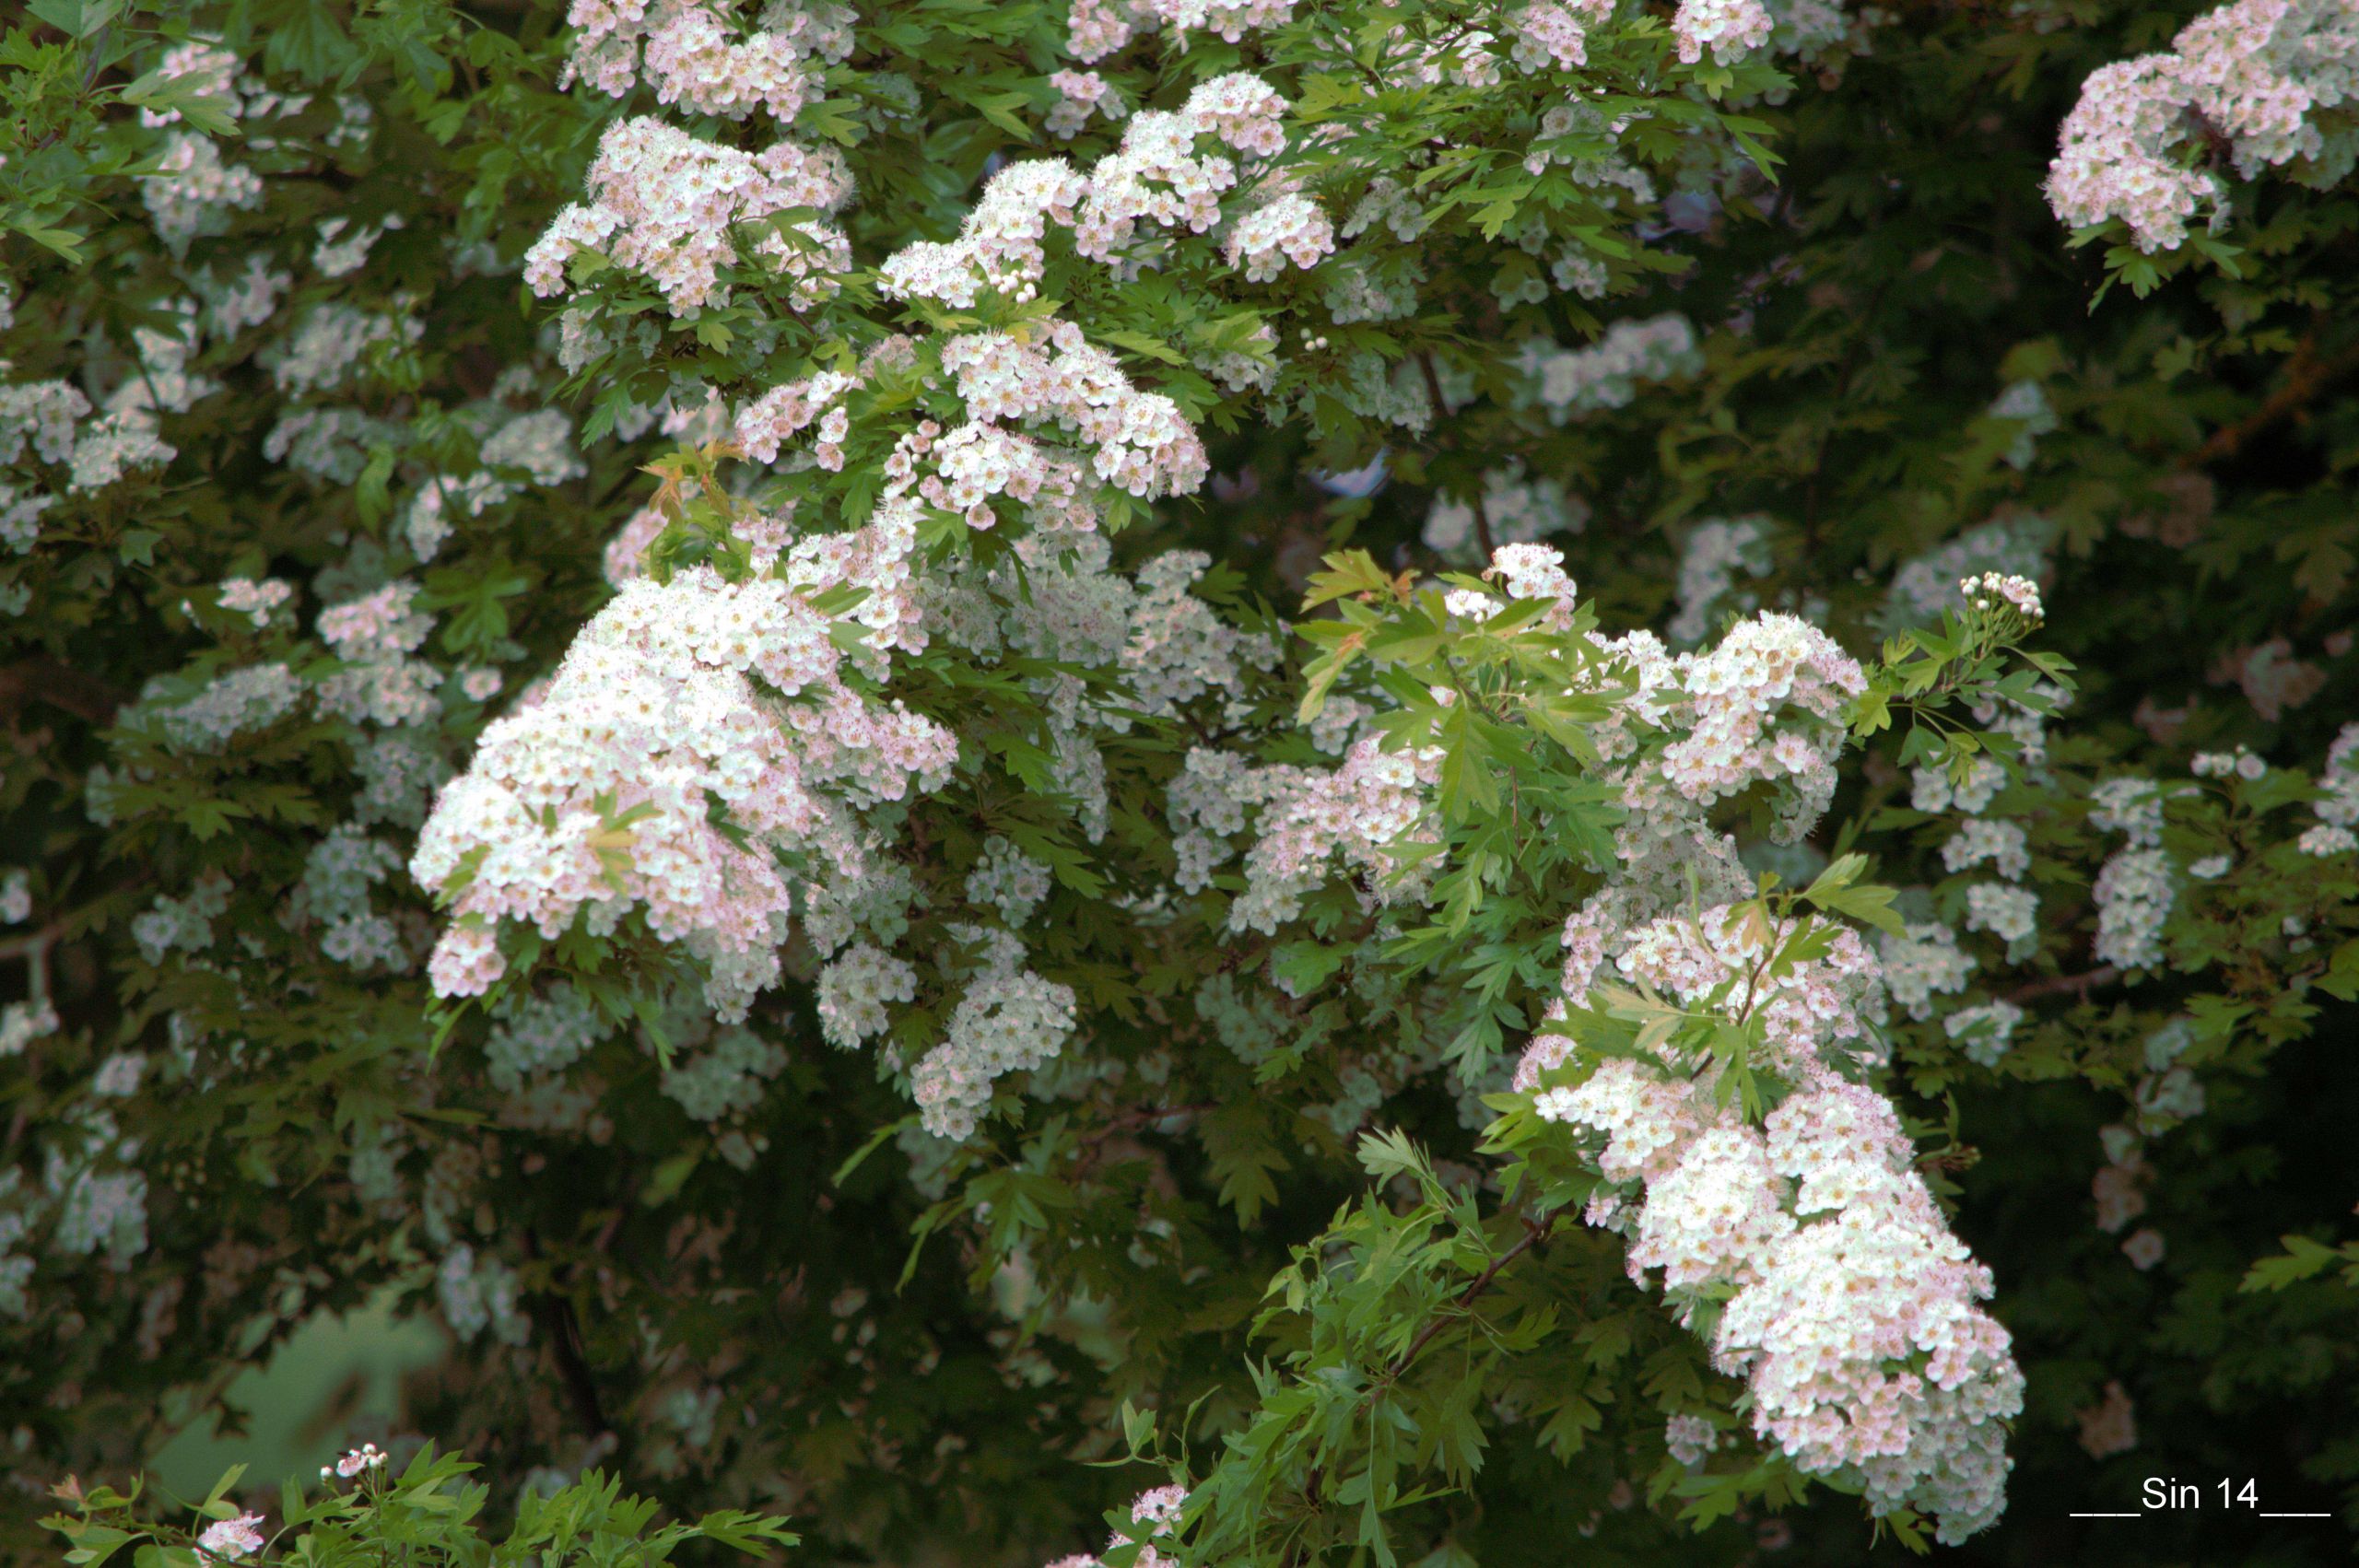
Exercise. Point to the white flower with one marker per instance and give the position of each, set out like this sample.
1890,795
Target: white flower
232,1538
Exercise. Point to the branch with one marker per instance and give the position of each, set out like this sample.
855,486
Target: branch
2103,975
2306,373
1534,1233
1441,407
34,943
1843,374
1143,1116
1090,1147
554,1316
84,696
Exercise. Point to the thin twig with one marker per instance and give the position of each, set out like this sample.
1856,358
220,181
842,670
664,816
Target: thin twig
2306,373
1534,1233
86,697
2104,974
1842,373
1441,406
31,945
562,1329
1143,1115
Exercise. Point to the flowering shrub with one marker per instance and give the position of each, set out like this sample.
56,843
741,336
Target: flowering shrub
2270,85
1406,769
429,1514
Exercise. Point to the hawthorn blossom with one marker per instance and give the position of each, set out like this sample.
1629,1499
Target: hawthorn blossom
666,204
229,1540
594,801
1569,382
2250,76
1730,29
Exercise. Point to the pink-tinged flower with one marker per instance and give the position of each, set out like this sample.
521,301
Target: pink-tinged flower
367,1457
2144,1248
232,1538
2110,1426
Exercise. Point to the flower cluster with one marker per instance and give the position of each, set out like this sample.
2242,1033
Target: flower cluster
594,801
231,1538
1009,1021
2025,403
1358,813
1097,28
1001,243
1569,382
356,1461
1921,962
22,1022
1715,552
48,420
853,990
1516,508
2338,802
1157,176
1849,1306
1984,1031
1549,36
2010,546
539,446
694,55
2252,76
1137,442
193,191
1159,1509
1730,29
1991,589
244,596
666,204
1081,94
1291,228
1767,704
2133,894
479,1293
329,342
2137,887
726,1078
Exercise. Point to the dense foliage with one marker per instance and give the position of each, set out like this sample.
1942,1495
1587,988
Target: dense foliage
893,820
430,1513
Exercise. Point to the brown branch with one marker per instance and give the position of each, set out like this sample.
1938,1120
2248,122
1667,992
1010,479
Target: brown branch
1091,1146
33,943
2104,974
2306,373
84,696
554,1316
1534,1233
574,1368
1441,406
1481,523
1143,1116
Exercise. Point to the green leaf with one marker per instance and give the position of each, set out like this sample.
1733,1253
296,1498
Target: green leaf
213,1499
2302,1259
1387,1152
1868,904
76,19
1243,1156
184,96
1139,343
875,1141
67,242
1302,967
